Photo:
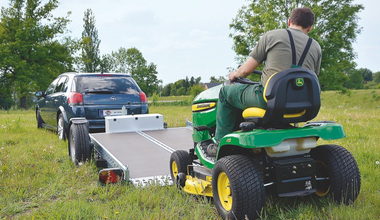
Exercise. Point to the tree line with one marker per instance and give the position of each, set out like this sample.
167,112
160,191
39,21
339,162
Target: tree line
32,53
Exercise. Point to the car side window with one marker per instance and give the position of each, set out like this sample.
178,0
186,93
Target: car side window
61,85
51,87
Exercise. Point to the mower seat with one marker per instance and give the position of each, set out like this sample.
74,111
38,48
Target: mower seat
292,95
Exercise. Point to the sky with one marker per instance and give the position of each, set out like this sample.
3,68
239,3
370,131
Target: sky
189,38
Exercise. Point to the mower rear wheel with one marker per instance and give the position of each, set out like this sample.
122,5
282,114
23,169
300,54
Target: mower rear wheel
338,173
238,188
179,162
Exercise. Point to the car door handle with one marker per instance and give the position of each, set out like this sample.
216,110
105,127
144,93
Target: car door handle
55,100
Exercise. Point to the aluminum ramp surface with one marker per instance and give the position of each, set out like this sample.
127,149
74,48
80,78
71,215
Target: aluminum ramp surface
146,154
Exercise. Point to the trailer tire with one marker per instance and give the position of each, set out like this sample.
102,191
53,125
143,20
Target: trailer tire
338,164
79,144
179,162
238,188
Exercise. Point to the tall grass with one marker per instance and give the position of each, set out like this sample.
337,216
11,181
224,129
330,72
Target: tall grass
38,180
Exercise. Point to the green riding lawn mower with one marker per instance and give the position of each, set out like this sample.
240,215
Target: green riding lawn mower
273,151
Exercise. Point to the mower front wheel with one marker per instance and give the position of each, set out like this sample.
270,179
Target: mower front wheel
238,188
179,162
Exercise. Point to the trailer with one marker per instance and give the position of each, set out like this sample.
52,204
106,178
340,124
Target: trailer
133,148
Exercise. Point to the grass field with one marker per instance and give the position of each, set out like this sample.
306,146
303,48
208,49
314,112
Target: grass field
38,181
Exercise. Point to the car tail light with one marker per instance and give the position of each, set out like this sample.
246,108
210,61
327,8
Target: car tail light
75,99
142,97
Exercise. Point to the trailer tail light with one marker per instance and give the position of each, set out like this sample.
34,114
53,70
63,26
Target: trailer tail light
75,99
111,175
142,97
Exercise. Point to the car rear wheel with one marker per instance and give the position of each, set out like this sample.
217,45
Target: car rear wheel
79,144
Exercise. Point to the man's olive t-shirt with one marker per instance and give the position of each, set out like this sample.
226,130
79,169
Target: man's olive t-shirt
274,49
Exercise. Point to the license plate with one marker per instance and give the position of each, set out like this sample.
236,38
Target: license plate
111,112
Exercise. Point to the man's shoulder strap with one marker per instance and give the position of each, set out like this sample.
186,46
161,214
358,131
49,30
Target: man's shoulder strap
302,58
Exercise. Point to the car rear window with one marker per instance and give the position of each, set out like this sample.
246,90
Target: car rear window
105,85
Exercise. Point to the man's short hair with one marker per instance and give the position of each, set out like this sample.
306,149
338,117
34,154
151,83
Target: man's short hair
303,17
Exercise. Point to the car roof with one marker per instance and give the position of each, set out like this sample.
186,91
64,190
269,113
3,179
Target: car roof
89,74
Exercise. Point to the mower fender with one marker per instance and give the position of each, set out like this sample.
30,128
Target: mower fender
259,138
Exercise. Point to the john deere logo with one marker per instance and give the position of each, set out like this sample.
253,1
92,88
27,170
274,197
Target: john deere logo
299,82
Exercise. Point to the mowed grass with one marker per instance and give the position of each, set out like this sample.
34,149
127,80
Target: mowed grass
38,180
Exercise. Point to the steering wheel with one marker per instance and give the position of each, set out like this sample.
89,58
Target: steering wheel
247,81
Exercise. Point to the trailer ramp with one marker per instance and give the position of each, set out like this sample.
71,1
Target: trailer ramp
143,155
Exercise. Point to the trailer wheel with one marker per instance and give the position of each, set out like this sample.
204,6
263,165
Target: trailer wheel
79,144
338,173
238,188
179,162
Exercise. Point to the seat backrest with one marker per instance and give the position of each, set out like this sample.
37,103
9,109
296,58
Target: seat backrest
292,95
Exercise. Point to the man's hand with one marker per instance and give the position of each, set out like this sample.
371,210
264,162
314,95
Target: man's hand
244,70
232,76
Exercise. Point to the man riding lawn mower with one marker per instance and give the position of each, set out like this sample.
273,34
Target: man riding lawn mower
268,151
270,154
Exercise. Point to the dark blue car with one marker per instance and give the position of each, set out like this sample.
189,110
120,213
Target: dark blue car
88,95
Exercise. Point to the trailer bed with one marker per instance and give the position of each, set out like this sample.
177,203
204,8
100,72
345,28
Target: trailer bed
144,155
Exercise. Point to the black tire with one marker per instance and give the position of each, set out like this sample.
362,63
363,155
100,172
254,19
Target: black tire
179,162
39,119
61,127
339,168
79,143
238,188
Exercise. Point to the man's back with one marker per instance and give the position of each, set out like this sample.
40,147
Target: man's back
275,49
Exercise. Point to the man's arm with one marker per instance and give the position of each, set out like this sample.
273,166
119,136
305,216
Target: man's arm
244,70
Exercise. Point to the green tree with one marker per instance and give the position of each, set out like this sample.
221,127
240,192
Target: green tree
186,85
192,81
166,91
90,57
197,80
376,77
106,63
31,56
355,80
335,29
132,61
179,87
367,74
220,79
173,89
196,89
121,62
